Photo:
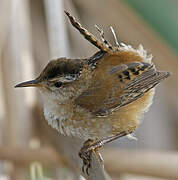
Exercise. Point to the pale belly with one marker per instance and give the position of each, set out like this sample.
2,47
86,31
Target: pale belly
85,129
84,126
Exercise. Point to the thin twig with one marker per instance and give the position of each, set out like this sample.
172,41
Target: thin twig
25,156
157,164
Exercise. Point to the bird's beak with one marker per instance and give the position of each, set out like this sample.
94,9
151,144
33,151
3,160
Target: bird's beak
32,83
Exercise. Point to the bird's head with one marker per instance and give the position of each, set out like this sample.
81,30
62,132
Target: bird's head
61,79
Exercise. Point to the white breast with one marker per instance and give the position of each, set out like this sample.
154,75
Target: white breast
54,120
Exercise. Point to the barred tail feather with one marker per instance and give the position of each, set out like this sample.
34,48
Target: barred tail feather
91,38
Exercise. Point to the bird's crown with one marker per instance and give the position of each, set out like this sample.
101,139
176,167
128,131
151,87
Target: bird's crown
62,67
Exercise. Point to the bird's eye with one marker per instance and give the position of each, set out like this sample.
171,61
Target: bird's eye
58,84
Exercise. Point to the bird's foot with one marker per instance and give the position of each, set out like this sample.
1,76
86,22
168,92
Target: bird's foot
85,154
90,147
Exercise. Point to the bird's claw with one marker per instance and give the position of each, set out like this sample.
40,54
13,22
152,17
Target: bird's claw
86,155
86,158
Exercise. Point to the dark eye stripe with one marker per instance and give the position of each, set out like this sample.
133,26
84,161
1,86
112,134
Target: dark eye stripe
58,84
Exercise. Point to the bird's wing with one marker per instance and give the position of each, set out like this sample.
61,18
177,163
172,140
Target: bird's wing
120,86
140,83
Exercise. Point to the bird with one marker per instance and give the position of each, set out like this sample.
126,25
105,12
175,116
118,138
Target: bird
101,98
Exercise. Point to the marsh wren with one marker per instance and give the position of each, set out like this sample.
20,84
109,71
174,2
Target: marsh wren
101,98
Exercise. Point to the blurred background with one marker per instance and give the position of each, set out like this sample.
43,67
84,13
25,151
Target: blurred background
32,33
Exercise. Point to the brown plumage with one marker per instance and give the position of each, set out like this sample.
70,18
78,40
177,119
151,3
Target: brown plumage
100,98
115,84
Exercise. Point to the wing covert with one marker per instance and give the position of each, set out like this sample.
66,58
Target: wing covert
122,85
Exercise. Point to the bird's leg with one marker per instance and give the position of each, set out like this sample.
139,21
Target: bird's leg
90,147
